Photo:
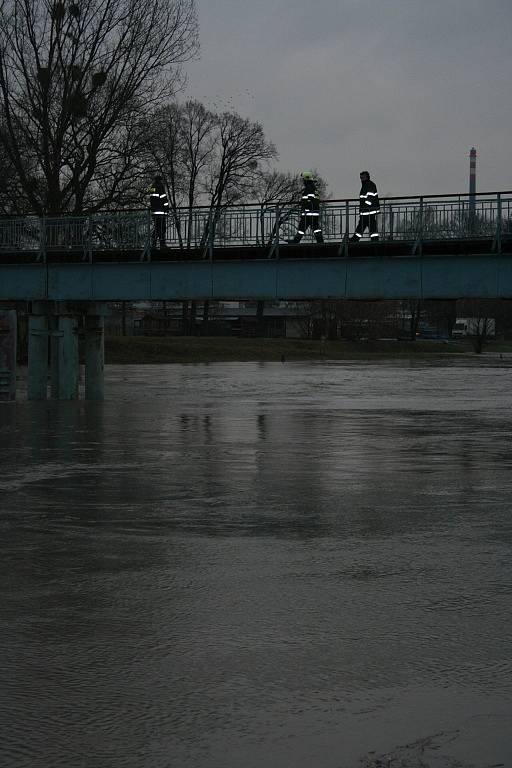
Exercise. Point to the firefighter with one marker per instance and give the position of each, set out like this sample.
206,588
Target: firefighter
368,209
310,204
159,207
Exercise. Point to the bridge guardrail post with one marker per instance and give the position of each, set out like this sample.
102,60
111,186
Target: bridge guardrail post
87,239
151,224
205,238
343,249
417,248
275,244
211,236
41,255
497,237
146,251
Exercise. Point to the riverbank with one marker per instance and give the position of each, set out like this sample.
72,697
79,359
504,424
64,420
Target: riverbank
192,349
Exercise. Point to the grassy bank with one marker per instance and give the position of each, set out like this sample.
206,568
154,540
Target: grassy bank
188,349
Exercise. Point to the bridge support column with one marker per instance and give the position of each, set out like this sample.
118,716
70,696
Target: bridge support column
38,334
8,331
94,357
65,364
58,322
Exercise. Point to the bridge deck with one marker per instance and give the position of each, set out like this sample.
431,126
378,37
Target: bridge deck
305,250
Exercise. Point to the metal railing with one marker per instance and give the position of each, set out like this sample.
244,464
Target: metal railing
415,219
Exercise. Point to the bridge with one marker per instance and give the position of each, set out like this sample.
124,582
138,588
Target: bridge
430,247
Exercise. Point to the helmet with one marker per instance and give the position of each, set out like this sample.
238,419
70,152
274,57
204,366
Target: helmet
307,175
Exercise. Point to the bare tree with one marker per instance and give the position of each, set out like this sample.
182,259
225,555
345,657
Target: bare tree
74,80
273,188
484,314
208,159
241,148
182,144
9,189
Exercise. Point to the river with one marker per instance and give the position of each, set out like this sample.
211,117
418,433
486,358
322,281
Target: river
260,566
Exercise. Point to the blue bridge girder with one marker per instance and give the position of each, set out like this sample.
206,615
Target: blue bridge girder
366,277
430,247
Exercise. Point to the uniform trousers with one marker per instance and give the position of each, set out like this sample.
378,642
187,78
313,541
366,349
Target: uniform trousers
370,221
312,221
159,228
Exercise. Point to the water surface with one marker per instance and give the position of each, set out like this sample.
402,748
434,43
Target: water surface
255,565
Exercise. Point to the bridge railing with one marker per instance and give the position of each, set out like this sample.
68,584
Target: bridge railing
433,217
406,219
444,219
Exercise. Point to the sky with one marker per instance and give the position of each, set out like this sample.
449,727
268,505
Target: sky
401,88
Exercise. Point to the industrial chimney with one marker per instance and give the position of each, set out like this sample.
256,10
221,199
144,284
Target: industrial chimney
472,187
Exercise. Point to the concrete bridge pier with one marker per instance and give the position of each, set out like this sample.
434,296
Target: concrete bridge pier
53,333
38,340
95,353
8,333
65,366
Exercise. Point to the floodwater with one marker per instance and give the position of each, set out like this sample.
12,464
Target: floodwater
260,566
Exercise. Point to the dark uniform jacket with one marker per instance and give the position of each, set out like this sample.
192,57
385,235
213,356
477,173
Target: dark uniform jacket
310,200
368,199
158,202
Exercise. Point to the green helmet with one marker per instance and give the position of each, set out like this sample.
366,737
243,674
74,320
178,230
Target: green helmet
306,175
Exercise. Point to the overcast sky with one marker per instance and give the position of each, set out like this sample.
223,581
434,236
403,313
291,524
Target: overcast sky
403,88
